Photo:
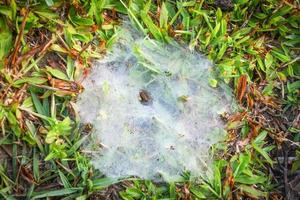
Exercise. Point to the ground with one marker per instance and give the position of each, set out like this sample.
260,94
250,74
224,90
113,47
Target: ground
47,46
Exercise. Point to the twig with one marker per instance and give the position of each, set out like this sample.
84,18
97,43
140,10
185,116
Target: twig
291,142
285,174
291,62
48,186
86,46
18,41
247,20
41,49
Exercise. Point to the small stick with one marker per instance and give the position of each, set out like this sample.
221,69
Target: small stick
86,46
18,41
32,52
285,175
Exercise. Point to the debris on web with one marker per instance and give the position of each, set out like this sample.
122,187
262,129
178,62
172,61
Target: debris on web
153,110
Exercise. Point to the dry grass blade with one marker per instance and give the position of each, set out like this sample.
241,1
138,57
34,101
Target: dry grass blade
241,87
17,45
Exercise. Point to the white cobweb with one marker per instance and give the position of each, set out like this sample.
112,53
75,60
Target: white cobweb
153,112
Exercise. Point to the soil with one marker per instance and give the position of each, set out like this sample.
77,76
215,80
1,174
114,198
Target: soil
224,5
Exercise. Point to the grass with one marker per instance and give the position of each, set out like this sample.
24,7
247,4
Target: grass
46,46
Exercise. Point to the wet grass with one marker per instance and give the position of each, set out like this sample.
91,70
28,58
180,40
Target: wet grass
47,46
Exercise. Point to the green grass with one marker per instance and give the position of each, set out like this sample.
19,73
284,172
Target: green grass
46,46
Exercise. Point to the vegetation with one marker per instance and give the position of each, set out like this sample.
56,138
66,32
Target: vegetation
47,46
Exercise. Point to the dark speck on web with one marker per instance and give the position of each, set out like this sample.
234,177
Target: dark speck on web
145,97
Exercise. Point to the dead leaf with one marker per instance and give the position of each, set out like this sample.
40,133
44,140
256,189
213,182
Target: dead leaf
250,101
241,87
66,87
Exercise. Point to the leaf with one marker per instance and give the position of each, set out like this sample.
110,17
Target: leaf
282,11
205,16
268,60
37,104
77,145
35,165
78,20
217,179
223,27
133,17
172,190
252,191
293,86
260,137
280,56
49,2
5,40
222,51
55,193
213,83
263,153
48,14
64,180
244,160
244,39
96,7
216,30
154,30
5,10
70,67
296,166
219,14
241,87
125,196
101,183
134,192
29,138
57,73
163,18
13,7
14,123
3,193
268,90
31,80
250,180
197,193
29,192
